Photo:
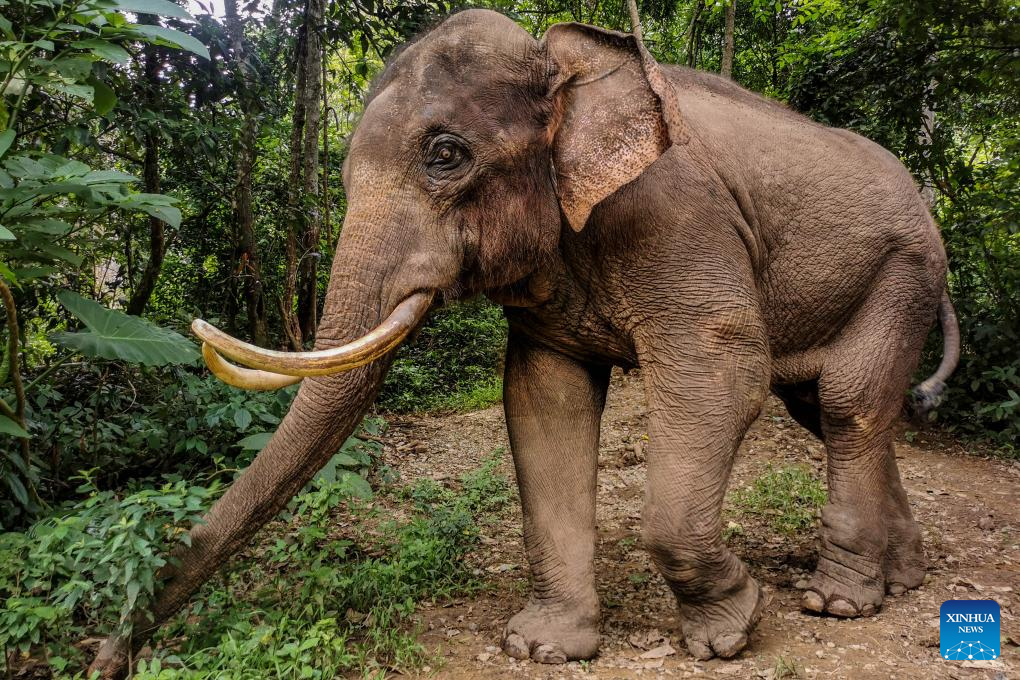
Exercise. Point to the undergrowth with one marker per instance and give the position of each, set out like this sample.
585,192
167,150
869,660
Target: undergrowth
453,364
788,498
330,588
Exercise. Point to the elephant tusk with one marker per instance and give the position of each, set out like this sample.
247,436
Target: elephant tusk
365,349
245,378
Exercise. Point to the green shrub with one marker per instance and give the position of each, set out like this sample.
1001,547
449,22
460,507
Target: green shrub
91,563
453,364
129,422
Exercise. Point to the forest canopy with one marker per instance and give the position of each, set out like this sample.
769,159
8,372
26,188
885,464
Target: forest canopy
162,161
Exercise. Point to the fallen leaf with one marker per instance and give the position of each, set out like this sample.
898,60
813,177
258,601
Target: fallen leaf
659,652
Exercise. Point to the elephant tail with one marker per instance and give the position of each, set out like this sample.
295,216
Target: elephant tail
928,394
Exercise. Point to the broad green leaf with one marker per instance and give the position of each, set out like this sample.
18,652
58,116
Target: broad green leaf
112,334
6,234
103,99
71,168
74,68
58,252
17,488
32,273
158,7
357,484
242,418
169,35
255,442
8,426
97,176
81,91
6,272
168,214
104,50
133,588
344,460
48,226
6,139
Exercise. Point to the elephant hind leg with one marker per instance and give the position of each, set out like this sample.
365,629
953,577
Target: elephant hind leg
904,554
869,537
904,557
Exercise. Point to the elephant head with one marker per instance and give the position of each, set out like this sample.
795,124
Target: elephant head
477,145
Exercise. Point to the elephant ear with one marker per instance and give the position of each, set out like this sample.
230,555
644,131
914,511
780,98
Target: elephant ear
614,113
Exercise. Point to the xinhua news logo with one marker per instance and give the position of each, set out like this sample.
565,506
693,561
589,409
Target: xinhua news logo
969,630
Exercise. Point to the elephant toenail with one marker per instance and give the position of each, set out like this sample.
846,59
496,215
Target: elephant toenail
840,607
516,646
813,601
896,589
729,644
549,654
868,610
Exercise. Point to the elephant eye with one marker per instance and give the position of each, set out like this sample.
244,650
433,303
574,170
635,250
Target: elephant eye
446,153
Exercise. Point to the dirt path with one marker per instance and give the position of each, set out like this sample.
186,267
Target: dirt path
950,492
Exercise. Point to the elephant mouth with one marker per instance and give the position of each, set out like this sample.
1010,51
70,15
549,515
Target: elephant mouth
270,370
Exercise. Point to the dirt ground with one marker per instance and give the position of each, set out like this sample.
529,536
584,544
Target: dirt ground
966,504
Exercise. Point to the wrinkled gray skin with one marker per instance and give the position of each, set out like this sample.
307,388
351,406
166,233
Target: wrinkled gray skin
636,215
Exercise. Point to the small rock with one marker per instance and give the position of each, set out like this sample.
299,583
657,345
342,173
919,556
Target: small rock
500,568
996,665
659,652
820,654
483,657
801,584
986,523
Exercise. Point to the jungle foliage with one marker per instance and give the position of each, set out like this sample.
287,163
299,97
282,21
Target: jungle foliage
157,165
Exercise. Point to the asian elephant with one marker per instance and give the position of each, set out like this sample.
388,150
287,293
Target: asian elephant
632,214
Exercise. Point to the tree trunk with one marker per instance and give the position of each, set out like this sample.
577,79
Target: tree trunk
308,266
726,68
150,177
246,256
692,31
924,136
295,185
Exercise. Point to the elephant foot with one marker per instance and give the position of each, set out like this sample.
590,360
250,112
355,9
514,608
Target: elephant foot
111,662
838,590
904,558
553,633
722,627
849,580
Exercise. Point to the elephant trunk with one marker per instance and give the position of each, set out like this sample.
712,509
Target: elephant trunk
325,412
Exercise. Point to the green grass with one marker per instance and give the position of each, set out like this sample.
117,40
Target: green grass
788,497
478,396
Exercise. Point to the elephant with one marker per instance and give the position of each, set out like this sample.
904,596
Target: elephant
624,213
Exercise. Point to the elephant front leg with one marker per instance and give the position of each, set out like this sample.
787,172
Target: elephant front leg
699,413
553,407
